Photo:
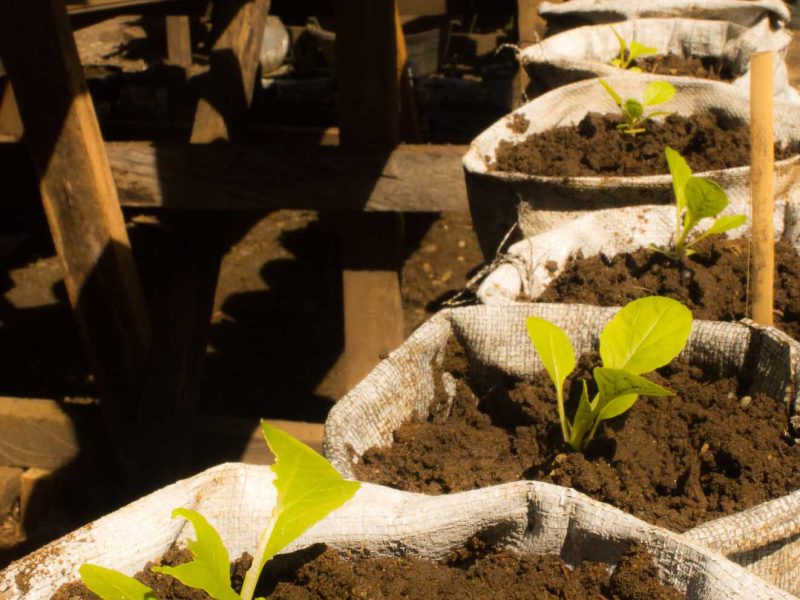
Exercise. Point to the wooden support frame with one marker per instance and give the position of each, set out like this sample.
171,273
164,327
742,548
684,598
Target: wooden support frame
179,41
369,57
78,193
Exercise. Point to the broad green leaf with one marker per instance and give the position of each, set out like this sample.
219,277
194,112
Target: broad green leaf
658,92
553,347
308,487
681,173
645,334
210,568
612,383
638,50
113,585
704,198
633,109
615,62
726,223
611,92
616,407
583,420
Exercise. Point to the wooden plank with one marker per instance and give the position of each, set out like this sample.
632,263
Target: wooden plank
233,65
36,433
179,41
191,266
370,68
10,122
79,196
414,178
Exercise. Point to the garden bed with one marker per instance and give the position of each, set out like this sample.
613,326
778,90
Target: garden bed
473,571
704,67
596,147
709,451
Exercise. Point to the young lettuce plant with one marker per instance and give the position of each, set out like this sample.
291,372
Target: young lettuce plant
696,198
628,54
308,488
644,335
633,111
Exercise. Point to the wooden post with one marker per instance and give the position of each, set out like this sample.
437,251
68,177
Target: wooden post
196,246
530,29
369,74
10,122
179,41
79,196
232,77
761,173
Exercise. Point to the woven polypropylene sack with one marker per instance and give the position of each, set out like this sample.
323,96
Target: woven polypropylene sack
527,517
523,272
586,52
743,12
402,389
537,203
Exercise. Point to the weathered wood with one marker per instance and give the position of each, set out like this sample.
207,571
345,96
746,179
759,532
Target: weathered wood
179,41
530,29
370,68
9,488
412,178
37,487
78,193
232,73
415,178
36,433
10,121
198,241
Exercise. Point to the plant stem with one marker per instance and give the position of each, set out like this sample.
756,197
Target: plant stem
562,415
254,572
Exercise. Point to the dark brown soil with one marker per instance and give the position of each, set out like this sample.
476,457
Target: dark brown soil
709,451
468,573
707,67
596,147
713,283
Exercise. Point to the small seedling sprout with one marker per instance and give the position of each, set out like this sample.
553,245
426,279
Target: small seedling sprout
628,54
308,489
633,111
696,198
643,336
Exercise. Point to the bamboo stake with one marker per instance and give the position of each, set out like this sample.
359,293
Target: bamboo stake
762,158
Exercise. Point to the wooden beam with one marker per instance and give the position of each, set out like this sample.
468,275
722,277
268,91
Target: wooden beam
10,121
78,193
36,433
370,65
179,41
414,178
172,387
232,73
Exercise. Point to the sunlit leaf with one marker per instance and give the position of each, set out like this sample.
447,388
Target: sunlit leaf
553,347
658,92
617,406
611,92
113,585
726,223
637,49
681,172
583,420
704,198
633,109
612,383
645,334
209,569
308,487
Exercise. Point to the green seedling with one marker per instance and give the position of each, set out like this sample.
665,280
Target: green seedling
628,54
633,111
643,336
696,198
308,488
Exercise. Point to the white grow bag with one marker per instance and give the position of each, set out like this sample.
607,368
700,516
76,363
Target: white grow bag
743,12
538,203
529,266
765,539
528,517
586,52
